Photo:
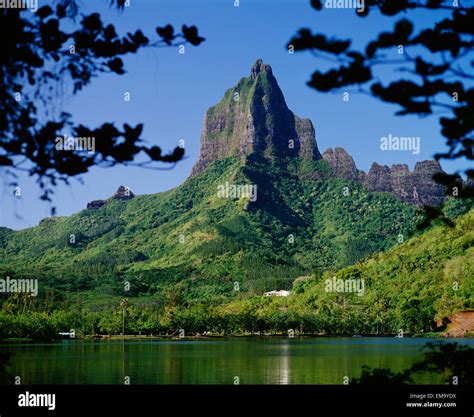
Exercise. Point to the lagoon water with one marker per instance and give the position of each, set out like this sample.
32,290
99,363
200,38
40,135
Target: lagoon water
253,360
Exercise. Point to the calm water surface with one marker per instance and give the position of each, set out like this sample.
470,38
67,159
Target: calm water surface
212,361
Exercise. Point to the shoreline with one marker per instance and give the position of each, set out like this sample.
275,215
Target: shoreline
442,336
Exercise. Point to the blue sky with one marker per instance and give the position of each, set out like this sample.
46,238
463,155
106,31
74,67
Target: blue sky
171,92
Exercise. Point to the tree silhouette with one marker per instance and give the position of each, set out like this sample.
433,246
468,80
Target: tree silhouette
450,360
382,376
5,365
432,61
38,54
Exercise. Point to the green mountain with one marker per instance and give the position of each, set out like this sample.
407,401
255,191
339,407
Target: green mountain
415,287
261,208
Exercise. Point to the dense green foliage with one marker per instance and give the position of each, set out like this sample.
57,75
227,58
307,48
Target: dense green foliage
187,259
426,278
189,235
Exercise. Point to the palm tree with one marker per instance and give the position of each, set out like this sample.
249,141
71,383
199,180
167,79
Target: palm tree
124,306
27,298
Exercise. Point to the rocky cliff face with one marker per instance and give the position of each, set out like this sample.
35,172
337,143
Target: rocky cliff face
417,187
95,204
342,164
253,117
122,193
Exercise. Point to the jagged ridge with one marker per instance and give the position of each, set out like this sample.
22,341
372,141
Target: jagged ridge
253,117
417,187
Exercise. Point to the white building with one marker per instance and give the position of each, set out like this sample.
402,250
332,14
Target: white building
274,293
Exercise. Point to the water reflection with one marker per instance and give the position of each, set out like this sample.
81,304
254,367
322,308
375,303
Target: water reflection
276,363
284,369
213,361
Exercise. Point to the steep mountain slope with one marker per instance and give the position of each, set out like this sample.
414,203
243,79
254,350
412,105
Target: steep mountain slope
251,118
415,187
189,233
260,208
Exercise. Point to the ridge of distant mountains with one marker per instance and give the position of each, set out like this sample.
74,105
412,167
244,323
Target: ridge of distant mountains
313,213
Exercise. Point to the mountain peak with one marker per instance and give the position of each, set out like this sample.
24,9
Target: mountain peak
259,67
341,163
253,117
123,193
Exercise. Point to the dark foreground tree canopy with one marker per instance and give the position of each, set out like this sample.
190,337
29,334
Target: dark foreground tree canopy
37,56
433,68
